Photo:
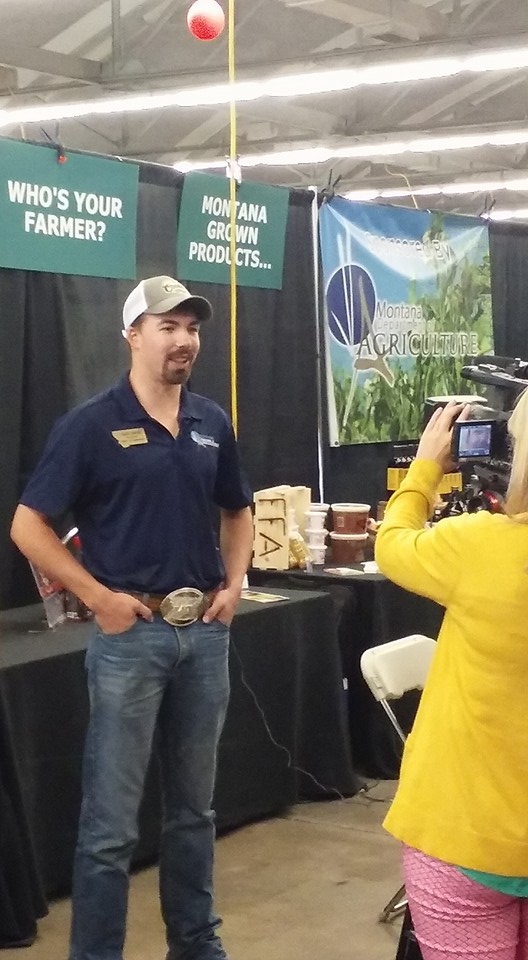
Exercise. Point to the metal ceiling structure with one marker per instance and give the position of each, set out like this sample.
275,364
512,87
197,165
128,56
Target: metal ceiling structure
65,52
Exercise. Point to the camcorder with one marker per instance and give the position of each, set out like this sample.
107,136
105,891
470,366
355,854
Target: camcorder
481,445
476,440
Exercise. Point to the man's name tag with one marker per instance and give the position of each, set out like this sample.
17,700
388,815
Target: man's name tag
130,438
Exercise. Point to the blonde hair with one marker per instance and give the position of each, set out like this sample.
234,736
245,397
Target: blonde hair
517,496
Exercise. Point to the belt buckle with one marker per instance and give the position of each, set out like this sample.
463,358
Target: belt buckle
182,607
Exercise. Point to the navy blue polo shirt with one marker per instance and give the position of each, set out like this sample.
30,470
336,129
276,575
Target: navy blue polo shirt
144,501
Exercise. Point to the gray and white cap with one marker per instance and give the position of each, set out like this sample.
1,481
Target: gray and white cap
159,295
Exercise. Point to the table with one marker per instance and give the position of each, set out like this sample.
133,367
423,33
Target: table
369,609
289,654
21,895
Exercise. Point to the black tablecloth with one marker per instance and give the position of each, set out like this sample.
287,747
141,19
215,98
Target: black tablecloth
21,894
289,655
369,609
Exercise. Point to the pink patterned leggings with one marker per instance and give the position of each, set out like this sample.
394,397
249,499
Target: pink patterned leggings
456,917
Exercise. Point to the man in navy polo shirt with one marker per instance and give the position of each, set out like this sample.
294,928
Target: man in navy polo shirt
143,467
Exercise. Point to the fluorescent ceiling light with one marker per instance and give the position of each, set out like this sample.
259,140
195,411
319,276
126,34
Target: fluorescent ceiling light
287,158
185,166
370,148
295,85
518,185
521,213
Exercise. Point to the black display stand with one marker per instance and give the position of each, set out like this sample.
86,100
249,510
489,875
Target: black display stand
408,948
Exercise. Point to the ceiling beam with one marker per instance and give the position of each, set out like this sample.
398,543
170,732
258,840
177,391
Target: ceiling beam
46,61
463,94
117,35
408,19
87,29
370,55
405,19
63,53
204,131
476,11
304,119
294,115
154,22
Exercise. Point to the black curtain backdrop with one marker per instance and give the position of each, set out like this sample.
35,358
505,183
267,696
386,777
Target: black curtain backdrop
60,342
509,288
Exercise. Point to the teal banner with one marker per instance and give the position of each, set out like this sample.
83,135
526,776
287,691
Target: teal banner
74,216
204,232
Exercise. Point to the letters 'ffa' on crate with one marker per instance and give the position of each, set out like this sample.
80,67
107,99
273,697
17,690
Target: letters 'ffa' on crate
270,524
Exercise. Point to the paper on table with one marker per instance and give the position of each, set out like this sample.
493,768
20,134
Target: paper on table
261,597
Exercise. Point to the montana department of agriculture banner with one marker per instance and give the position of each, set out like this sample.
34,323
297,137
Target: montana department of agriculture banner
204,232
76,216
407,299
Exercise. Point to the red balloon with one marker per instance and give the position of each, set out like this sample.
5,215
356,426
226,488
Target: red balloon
206,19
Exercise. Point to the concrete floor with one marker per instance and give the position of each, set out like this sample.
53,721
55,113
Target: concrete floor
308,885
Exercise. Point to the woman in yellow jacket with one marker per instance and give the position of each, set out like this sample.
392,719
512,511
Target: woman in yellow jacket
461,809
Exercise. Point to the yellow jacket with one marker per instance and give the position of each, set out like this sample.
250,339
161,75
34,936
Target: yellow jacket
463,792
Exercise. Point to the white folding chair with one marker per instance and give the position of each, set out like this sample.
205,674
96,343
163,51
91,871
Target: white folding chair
390,670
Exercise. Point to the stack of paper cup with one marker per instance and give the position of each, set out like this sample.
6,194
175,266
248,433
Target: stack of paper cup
350,518
348,548
315,532
349,535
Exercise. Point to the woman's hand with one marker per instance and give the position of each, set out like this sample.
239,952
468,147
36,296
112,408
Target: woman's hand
435,443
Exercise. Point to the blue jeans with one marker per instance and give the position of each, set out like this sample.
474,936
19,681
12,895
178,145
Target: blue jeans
175,679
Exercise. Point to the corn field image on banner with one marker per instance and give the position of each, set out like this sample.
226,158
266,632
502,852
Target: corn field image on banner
407,301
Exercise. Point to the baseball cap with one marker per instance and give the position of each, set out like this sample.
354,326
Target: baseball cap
159,295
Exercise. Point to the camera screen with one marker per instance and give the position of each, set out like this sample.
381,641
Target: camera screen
474,440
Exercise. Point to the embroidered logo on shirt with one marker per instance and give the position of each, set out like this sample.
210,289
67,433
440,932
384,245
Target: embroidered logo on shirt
130,438
203,441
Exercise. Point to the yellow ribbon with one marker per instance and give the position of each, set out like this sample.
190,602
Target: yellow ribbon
233,161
